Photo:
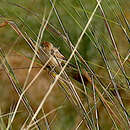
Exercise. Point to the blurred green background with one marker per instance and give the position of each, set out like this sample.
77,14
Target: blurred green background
28,15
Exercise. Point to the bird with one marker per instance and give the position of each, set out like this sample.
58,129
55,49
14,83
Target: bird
48,50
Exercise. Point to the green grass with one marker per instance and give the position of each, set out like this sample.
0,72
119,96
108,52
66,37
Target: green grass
52,97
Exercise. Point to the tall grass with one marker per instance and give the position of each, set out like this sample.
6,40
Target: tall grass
90,90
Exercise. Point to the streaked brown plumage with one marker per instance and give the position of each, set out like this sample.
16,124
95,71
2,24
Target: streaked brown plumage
48,50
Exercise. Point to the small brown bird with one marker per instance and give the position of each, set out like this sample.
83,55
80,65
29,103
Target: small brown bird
47,51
